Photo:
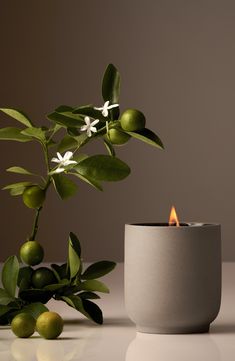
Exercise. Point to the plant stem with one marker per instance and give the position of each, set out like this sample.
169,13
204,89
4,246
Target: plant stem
35,224
46,155
48,182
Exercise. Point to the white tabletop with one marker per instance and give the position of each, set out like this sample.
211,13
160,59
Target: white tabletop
117,340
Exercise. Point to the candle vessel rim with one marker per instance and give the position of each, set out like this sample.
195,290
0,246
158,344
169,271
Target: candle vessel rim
166,225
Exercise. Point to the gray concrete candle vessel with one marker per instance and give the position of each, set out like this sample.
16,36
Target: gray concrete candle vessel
172,276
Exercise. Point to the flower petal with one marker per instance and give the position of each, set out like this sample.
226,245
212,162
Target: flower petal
83,128
87,121
68,155
93,129
106,104
113,106
59,170
96,121
68,162
105,112
55,160
101,108
72,162
59,156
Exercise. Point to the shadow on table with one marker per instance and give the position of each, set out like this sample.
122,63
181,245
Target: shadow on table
223,328
108,322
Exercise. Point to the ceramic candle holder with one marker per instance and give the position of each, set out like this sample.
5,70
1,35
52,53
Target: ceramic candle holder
172,276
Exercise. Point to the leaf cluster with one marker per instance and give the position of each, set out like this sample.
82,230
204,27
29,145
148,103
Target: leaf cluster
74,286
64,134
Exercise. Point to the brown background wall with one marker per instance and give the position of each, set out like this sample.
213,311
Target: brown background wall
177,62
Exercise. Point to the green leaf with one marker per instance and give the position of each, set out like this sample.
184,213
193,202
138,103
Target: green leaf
7,312
5,298
147,136
73,132
87,308
74,301
69,290
74,261
67,119
18,115
51,143
111,84
103,168
67,143
36,295
57,286
109,147
36,133
82,139
4,309
60,270
93,311
98,269
10,275
64,186
73,239
17,185
24,278
11,133
8,315
17,189
19,170
64,108
79,157
111,89
88,296
94,183
35,309
89,111
94,285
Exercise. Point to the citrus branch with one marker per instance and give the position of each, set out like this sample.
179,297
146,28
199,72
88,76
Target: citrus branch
35,224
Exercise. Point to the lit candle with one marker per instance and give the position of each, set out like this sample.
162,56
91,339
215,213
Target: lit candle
172,275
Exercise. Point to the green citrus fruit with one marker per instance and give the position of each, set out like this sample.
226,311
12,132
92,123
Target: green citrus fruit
49,325
23,325
118,137
31,253
24,276
33,196
132,120
42,277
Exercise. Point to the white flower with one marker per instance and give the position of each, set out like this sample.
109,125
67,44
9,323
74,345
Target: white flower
63,161
105,108
89,127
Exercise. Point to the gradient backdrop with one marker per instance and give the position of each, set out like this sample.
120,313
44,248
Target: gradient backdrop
177,63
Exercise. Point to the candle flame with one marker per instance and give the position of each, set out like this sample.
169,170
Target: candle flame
173,219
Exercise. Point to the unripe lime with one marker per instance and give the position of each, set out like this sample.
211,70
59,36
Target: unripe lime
132,120
31,253
23,325
49,325
118,137
33,196
25,275
42,277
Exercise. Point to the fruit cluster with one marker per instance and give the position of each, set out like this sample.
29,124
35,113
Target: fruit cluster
131,120
49,325
67,282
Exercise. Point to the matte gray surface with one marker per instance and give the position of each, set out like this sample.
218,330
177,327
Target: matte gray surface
176,60
172,277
